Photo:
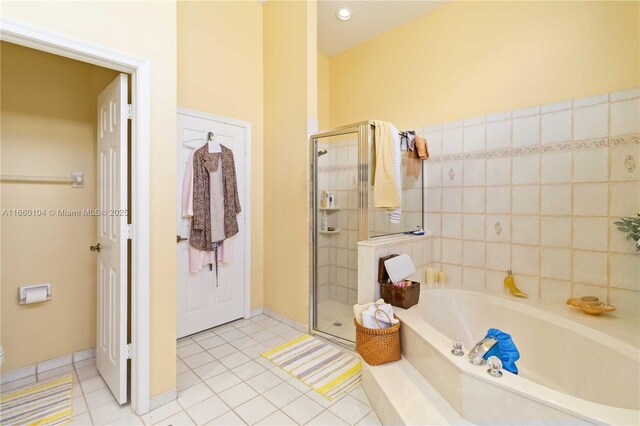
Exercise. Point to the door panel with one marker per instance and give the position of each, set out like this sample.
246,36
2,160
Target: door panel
202,302
111,350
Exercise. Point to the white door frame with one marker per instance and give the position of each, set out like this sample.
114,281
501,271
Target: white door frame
139,68
247,202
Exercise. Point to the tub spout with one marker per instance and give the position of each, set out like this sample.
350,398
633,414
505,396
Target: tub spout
481,348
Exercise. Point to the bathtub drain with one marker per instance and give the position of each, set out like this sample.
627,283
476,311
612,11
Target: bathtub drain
337,324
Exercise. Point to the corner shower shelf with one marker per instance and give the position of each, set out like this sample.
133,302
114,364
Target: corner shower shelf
335,231
329,209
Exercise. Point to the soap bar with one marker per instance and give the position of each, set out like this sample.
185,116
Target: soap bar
399,268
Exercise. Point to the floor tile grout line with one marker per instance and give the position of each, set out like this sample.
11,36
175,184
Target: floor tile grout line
229,370
242,381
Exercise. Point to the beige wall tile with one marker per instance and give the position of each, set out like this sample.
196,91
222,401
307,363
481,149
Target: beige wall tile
473,200
591,165
626,302
452,225
625,117
555,231
451,250
555,168
498,135
473,253
498,228
473,226
525,170
591,122
473,278
498,199
452,173
432,199
590,267
625,162
590,199
498,171
555,127
624,198
555,290
525,229
452,141
555,200
590,233
474,172
452,200
525,199
433,175
625,271
498,256
526,131
555,263
617,239
525,259
473,138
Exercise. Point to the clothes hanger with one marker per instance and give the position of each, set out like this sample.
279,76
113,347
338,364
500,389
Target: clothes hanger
214,146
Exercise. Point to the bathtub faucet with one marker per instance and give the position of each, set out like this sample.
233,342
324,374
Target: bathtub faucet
481,348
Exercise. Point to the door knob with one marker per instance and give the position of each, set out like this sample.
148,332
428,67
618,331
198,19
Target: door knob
95,248
179,238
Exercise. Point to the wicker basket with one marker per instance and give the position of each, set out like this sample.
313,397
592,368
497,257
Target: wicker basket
378,345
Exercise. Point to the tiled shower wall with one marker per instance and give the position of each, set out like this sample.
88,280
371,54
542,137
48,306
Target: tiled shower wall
338,253
537,191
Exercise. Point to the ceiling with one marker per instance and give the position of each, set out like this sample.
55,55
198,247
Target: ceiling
369,18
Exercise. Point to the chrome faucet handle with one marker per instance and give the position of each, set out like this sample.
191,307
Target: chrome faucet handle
495,366
457,347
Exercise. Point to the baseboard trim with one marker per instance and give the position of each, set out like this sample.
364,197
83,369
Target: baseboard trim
163,398
256,312
302,328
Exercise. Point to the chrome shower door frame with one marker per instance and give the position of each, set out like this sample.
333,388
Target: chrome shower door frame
364,130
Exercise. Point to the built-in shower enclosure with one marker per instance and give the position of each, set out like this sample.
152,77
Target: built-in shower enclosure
342,214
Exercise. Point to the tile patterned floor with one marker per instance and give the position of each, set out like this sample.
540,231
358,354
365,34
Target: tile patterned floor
222,380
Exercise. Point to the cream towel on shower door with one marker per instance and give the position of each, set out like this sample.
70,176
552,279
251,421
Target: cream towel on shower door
386,193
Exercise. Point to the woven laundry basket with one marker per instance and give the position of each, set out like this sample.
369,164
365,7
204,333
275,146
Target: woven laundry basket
378,345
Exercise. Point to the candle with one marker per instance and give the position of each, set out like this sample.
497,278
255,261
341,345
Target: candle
431,276
442,277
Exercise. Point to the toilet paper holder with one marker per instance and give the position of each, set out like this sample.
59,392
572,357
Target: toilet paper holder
24,289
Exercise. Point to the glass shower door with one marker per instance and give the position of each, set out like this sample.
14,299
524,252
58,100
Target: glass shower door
336,232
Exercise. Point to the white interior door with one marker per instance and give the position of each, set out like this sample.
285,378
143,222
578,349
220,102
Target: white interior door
111,345
202,302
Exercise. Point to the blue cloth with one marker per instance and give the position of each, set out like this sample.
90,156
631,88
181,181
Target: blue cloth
504,349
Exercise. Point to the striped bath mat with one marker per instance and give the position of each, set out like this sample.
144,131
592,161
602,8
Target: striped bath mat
317,364
46,403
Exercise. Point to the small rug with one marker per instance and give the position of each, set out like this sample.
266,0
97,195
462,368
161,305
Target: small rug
317,364
45,403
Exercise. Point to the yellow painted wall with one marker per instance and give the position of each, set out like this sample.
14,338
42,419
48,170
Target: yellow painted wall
287,106
220,72
145,29
48,129
323,92
472,58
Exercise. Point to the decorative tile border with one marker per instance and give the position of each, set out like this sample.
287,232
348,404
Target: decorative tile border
538,149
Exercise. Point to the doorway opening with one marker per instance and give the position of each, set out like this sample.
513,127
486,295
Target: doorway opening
134,324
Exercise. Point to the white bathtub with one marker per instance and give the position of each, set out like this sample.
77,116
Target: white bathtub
570,372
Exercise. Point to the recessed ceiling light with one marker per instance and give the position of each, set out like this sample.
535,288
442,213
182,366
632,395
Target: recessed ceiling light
343,14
